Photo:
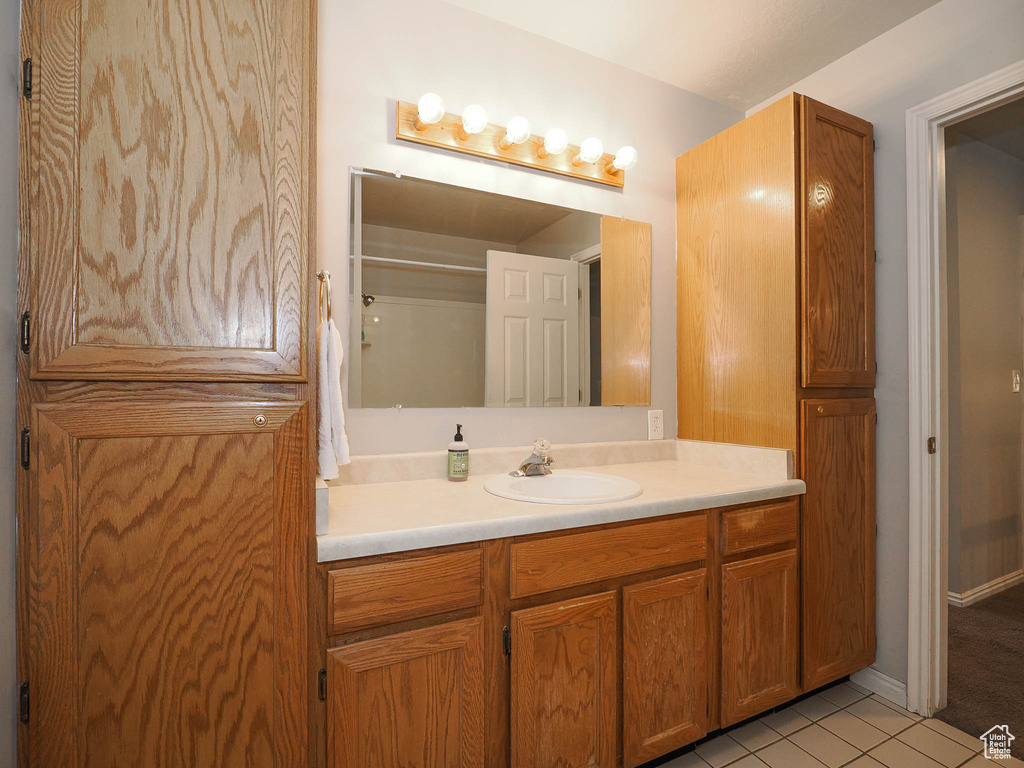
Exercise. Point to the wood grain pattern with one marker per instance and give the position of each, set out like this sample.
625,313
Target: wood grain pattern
412,699
760,634
564,684
544,565
385,593
838,263
838,538
665,664
446,135
169,228
625,312
747,529
737,283
167,597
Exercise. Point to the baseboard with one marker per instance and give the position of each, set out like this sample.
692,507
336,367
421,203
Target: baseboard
888,688
976,595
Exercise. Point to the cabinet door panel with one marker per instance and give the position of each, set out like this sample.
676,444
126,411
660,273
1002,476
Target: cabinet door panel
838,538
760,634
167,595
168,194
838,266
664,665
412,699
564,684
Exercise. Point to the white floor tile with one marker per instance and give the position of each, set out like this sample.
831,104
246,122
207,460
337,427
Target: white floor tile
865,762
815,707
786,721
882,717
721,751
852,729
936,746
895,754
896,707
689,760
825,746
842,695
786,754
755,735
750,761
947,730
981,762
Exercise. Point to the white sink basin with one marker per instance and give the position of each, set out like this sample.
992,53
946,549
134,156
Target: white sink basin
564,487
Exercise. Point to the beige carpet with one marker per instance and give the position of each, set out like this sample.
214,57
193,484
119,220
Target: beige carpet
986,666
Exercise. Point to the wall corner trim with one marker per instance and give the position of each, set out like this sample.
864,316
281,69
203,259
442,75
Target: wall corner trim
889,688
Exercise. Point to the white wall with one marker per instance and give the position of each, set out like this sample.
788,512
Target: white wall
9,100
946,46
986,189
371,54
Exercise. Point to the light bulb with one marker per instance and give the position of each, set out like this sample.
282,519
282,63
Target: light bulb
555,142
625,160
429,110
516,132
474,119
591,151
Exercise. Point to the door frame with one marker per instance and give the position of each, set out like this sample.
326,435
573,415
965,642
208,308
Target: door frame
926,259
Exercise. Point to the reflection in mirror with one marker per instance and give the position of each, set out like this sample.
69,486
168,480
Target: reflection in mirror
468,298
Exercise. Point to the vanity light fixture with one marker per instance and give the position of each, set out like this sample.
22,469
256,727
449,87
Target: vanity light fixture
474,120
429,110
555,142
591,150
516,132
625,160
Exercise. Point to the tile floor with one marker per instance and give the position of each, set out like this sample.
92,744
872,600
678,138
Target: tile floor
844,725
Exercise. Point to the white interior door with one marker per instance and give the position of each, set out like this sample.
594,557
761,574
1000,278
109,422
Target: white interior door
533,328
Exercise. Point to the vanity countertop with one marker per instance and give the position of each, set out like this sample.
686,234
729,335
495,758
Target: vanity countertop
375,518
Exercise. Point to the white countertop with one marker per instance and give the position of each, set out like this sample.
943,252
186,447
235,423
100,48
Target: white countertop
375,518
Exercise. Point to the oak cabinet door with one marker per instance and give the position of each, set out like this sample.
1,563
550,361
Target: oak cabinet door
168,191
564,684
665,681
838,538
412,699
838,264
168,545
760,634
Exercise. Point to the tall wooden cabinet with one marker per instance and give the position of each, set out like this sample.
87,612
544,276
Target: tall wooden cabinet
165,496
776,339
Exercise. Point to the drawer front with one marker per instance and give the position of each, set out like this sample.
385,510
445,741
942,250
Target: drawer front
545,565
747,529
385,593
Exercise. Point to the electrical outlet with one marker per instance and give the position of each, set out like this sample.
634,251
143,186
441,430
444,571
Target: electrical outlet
1016,381
655,425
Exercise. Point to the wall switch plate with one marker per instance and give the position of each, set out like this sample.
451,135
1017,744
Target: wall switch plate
655,425
1016,381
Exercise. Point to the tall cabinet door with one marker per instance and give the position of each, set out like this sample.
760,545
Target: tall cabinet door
838,265
167,556
565,684
838,538
665,665
168,190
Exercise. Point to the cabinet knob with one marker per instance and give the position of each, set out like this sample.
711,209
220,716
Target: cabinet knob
821,409
260,420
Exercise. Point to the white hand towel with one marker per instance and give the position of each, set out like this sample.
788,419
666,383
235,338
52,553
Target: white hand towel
332,442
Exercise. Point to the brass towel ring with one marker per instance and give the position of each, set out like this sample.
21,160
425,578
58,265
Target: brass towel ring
324,307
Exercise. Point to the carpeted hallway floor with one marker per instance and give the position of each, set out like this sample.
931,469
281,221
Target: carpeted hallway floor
986,666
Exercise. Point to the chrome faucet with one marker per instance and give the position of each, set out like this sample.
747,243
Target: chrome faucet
538,462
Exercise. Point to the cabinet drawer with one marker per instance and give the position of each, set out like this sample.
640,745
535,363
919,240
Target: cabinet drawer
545,565
747,529
384,593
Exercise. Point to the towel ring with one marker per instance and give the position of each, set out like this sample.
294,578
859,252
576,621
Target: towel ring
325,289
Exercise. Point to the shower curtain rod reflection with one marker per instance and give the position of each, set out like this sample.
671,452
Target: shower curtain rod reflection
408,264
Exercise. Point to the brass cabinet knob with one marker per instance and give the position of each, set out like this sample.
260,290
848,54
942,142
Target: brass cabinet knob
260,420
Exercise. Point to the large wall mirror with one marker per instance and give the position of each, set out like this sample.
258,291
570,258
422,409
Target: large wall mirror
468,298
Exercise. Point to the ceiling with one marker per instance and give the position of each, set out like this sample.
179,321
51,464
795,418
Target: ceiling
1002,128
737,52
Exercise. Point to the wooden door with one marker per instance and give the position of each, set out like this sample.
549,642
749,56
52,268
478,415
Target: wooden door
167,558
168,192
412,699
838,263
532,325
665,676
565,684
760,634
625,312
838,538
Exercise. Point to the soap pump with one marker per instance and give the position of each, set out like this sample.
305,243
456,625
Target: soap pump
458,457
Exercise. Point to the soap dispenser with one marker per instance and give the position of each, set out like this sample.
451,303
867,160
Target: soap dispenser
458,457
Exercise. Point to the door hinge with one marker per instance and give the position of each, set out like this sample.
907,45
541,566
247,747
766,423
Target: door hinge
931,445
26,449
874,145
23,702
26,78
506,641
321,685
25,333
